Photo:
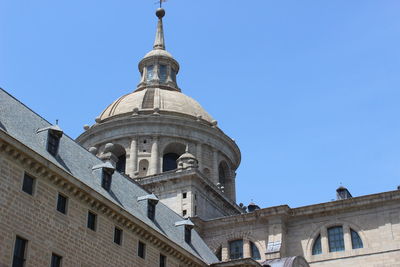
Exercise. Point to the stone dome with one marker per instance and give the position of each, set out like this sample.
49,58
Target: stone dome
151,99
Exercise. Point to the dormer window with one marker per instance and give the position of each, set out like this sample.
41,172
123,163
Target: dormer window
152,201
163,73
150,73
106,178
187,228
53,142
188,234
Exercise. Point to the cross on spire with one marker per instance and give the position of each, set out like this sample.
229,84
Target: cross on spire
160,2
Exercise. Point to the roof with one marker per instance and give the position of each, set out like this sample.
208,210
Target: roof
78,162
166,101
297,261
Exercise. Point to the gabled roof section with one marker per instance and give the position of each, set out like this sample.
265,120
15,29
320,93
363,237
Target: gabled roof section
22,124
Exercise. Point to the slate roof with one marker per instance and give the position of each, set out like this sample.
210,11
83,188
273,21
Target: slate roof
22,123
286,262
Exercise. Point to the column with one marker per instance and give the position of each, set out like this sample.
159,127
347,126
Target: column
324,241
134,156
199,152
246,249
225,252
215,166
347,237
153,168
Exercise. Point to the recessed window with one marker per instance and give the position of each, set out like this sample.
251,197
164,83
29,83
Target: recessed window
335,239
19,252
236,249
151,209
184,195
91,221
117,236
121,164
150,73
141,249
144,141
62,203
255,253
53,142
106,179
28,184
144,150
218,253
356,241
55,260
195,210
184,212
173,76
317,248
169,161
188,234
163,260
163,73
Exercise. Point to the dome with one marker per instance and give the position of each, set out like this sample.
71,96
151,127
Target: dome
167,101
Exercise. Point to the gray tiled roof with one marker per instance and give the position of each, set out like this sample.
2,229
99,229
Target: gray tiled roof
21,123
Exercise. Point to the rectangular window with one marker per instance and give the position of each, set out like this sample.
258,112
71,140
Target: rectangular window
236,249
163,260
184,212
184,195
163,73
106,179
149,73
53,141
117,236
19,252
91,221
142,250
28,183
151,210
335,239
55,260
188,234
62,204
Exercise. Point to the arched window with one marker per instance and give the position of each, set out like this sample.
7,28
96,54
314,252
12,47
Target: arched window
236,249
356,241
222,173
169,162
255,253
317,249
171,153
335,239
143,167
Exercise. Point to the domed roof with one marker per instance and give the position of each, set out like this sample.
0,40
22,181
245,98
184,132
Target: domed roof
152,98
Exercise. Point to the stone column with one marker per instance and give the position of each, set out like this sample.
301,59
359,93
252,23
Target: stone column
215,166
225,252
324,241
246,249
153,168
199,152
347,237
134,156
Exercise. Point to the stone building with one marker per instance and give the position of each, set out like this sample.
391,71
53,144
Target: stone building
152,183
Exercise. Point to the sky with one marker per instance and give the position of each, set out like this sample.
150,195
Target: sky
309,89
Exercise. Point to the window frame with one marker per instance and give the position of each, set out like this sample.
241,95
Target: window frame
118,235
151,210
65,211
317,242
106,179
31,190
24,250
188,234
356,238
163,260
94,215
53,143
336,239
58,258
141,250
235,255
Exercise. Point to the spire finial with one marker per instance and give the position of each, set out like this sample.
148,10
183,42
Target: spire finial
159,43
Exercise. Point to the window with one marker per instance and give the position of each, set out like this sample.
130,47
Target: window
121,164
28,183
91,221
106,179
184,213
184,195
173,75
19,252
163,73
55,260
163,260
62,204
169,161
150,73
117,236
335,239
53,141
236,249
151,210
188,234
317,249
142,250
255,253
356,241
218,253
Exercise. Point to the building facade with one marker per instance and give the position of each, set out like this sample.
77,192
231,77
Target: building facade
152,183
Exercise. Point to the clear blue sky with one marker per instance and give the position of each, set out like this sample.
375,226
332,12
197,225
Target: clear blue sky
310,90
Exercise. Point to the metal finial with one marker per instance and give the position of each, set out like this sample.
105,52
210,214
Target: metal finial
160,13
57,122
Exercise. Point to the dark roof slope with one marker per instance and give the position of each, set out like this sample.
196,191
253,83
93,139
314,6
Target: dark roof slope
21,123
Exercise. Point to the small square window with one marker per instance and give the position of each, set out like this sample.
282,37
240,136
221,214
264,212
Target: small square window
117,236
91,221
144,141
28,184
163,260
141,249
184,195
184,212
62,203
55,260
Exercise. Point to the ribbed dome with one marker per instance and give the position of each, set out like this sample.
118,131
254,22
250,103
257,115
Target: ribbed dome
151,98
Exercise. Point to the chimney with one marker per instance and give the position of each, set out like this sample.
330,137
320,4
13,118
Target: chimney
343,193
